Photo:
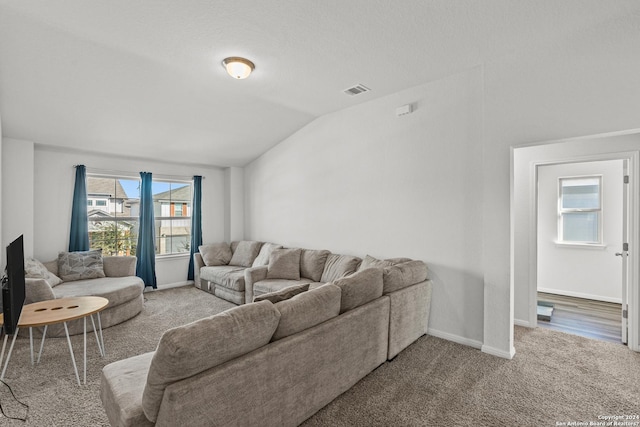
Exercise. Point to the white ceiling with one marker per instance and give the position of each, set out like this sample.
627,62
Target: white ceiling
143,77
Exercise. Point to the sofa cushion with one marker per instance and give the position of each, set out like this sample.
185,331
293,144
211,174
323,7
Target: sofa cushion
118,290
282,295
80,265
284,264
307,309
402,275
121,390
34,269
228,276
312,263
274,285
360,288
265,252
190,349
338,266
370,261
245,253
215,254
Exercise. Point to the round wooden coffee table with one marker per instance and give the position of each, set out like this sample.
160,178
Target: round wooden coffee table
45,313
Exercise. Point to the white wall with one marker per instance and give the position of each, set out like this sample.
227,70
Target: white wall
592,272
363,181
49,187
17,193
234,204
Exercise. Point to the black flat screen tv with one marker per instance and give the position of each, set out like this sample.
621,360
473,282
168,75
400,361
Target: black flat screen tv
13,286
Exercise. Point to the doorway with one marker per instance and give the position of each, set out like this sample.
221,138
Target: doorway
580,214
526,160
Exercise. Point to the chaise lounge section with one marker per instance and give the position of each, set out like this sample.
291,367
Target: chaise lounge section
274,362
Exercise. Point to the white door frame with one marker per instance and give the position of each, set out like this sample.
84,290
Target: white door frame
633,158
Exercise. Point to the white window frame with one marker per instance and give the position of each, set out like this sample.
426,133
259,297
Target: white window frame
175,218
562,211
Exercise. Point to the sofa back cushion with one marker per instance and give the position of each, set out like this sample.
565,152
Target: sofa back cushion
307,309
265,252
190,349
404,274
215,254
360,288
284,264
312,263
245,253
283,294
338,266
80,265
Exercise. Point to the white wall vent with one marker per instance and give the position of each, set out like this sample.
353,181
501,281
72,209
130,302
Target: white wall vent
356,90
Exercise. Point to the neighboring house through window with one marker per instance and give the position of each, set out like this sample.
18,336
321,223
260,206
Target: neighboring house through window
113,205
580,210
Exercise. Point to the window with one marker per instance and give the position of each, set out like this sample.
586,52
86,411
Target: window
113,225
172,210
580,210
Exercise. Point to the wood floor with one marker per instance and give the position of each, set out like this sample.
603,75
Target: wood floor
588,318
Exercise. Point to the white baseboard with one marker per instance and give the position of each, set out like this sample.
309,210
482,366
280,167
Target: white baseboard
579,295
170,285
497,352
455,338
524,323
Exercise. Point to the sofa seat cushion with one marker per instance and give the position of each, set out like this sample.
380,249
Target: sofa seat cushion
121,390
307,310
118,290
227,276
193,348
275,285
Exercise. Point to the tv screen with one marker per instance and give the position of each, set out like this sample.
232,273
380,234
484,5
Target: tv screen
13,287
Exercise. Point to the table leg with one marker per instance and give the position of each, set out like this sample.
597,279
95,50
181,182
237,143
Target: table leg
31,343
85,349
73,359
95,331
44,334
4,345
13,341
104,349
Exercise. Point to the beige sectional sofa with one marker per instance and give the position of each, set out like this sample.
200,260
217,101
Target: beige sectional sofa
120,286
277,361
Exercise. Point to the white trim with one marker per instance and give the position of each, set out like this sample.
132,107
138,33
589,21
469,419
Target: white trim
525,323
579,295
455,338
575,245
497,352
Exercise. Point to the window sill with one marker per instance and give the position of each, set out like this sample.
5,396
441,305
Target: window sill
594,246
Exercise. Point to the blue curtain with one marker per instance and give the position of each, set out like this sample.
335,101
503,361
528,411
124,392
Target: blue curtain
196,222
79,235
145,252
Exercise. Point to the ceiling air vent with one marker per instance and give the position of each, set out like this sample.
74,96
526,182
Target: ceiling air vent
356,90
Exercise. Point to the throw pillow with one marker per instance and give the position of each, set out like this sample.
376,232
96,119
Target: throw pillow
312,263
265,252
338,266
80,265
370,261
245,253
283,294
284,264
215,254
34,269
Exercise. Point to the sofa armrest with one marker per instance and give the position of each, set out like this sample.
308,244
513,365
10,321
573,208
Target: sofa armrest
198,263
37,290
119,266
251,276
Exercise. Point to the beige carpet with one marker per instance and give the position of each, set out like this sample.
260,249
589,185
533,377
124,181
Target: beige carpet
554,377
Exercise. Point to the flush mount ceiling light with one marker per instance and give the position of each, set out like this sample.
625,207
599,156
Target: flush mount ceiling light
238,68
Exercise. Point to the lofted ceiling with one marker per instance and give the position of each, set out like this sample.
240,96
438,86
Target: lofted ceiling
143,78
